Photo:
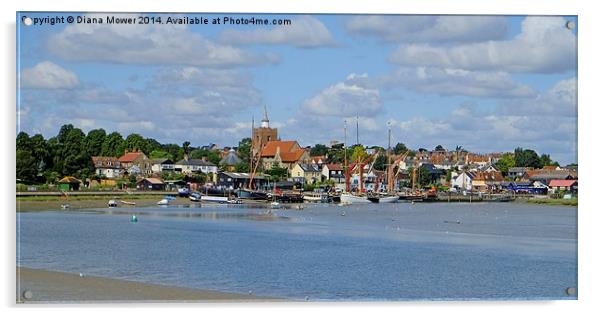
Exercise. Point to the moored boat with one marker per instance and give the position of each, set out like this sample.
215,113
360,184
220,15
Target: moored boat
348,198
163,202
214,199
112,203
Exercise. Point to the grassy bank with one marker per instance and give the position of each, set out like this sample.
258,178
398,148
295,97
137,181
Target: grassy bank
561,202
49,203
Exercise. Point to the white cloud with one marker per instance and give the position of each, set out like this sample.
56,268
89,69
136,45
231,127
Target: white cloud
345,99
146,44
560,100
544,45
47,75
400,28
444,81
305,31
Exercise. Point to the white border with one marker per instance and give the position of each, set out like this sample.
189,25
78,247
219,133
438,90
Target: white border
589,131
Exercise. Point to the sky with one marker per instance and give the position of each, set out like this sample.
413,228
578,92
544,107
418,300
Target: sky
486,83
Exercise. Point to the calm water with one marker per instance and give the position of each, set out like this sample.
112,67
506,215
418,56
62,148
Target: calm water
326,252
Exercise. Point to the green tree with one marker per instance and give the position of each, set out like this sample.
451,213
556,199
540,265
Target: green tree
158,153
186,147
505,163
318,150
242,167
152,145
380,163
526,158
176,152
359,153
211,155
277,173
400,148
136,142
27,167
94,140
424,177
244,149
113,145
439,148
545,160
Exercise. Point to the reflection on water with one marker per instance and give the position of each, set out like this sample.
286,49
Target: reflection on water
356,252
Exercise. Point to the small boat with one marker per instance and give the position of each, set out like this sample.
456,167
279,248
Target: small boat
112,203
127,203
388,199
234,201
169,197
134,219
65,206
163,202
275,205
347,198
195,197
214,199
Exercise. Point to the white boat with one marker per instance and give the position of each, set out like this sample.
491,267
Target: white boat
127,203
347,198
112,203
388,199
275,205
214,199
312,198
163,202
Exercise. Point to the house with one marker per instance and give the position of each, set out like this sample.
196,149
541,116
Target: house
563,185
137,159
306,173
190,166
434,173
108,167
464,180
488,168
518,172
162,165
150,184
283,154
444,165
333,172
238,180
318,160
487,181
69,183
230,161
545,176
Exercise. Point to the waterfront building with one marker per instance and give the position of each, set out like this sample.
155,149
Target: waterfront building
135,159
283,154
306,173
150,184
263,134
518,172
108,167
190,166
69,183
238,180
230,161
162,165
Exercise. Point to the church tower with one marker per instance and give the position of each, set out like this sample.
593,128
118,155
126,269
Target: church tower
263,134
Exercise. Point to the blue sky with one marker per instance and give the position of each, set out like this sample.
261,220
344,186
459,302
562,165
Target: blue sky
487,83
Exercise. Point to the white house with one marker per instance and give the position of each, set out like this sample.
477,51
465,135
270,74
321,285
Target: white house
463,180
109,167
162,165
189,166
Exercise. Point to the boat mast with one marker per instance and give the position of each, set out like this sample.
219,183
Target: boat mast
389,167
347,184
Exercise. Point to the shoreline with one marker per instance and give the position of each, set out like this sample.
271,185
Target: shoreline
46,286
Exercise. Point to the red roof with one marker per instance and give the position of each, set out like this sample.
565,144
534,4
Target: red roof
292,156
334,167
129,157
270,148
562,183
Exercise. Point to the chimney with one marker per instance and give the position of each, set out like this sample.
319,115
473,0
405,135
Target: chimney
204,158
186,156
126,151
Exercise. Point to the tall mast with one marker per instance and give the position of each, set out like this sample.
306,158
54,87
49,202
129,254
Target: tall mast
346,169
389,167
357,129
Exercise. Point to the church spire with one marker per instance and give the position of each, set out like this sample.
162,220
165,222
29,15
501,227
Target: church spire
265,122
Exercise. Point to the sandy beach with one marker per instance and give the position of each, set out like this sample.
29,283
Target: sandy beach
41,286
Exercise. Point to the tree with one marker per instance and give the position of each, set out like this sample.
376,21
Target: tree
359,153
208,154
505,163
526,158
380,163
186,147
176,152
158,153
545,160
27,168
318,150
277,173
136,142
242,167
400,148
424,177
244,149
439,148
152,144
94,140
113,145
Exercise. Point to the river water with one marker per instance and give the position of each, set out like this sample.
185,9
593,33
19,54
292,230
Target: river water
402,251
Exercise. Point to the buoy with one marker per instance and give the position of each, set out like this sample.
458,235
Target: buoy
134,219
81,275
